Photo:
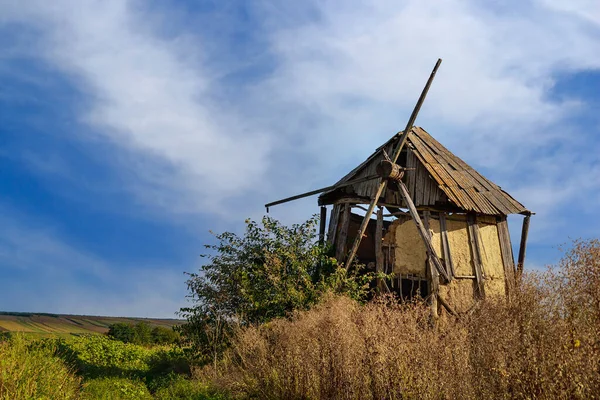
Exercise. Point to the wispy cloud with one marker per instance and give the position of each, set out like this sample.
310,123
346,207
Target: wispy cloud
199,127
43,272
345,76
362,65
151,97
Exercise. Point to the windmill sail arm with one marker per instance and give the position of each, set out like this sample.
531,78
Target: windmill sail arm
317,191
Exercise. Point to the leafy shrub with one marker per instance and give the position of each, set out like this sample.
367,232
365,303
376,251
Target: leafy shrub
162,335
269,272
113,388
142,333
30,371
165,364
121,331
185,389
101,357
96,356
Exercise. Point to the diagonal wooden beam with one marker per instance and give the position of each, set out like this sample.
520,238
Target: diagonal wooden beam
324,189
394,158
437,263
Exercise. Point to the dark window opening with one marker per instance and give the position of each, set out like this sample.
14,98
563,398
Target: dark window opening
408,288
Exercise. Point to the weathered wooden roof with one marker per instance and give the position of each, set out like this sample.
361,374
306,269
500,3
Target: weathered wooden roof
448,179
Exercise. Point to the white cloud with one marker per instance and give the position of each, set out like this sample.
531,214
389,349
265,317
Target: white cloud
363,64
151,97
344,77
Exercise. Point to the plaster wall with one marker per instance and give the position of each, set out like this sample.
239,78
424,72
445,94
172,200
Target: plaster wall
411,256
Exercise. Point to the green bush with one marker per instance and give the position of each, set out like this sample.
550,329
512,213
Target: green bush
162,335
32,371
114,389
142,333
122,331
269,272
185,389
97,356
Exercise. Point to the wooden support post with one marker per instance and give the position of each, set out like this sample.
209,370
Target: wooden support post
333,224
507,256
446,246
379,248
322,223
476,253
421,229
343,237
434,278
523,246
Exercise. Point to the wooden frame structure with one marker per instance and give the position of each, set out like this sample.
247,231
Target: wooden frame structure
414,172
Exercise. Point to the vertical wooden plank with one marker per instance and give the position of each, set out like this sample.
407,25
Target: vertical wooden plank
412,177
434,278
333,224
322,224
419,185
340,252
426,190
476,253
507,259
523,246
446,246
378,247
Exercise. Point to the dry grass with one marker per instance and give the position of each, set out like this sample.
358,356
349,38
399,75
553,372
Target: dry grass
544,344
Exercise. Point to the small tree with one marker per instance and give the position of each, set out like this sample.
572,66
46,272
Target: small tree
121,331
162,335
269,272
143,333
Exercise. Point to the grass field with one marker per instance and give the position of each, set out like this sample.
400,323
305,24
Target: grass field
55,324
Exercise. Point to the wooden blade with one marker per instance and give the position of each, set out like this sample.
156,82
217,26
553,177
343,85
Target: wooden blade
395,155
317,191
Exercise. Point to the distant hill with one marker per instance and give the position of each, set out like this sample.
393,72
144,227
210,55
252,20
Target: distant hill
45,324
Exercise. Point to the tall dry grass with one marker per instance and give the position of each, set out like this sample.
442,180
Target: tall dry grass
544,344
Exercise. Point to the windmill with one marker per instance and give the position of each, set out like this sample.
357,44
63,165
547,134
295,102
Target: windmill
458,242
387,170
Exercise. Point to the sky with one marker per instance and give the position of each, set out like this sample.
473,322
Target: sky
130,128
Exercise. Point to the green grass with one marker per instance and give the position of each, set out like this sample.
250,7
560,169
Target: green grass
93,367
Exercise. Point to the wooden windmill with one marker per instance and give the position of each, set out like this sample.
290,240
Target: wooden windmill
455,212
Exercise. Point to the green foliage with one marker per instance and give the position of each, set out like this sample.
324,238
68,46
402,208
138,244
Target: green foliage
185,389
96,356
113,388
162,335
32,371
122,331
269,272
109,369
142,333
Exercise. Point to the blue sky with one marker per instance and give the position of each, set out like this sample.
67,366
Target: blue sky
130,128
